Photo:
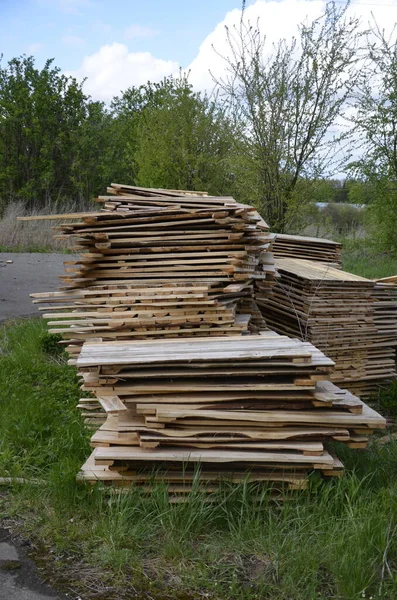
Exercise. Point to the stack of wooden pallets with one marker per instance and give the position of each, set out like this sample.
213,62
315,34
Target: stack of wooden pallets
157,265
260,405
385,307
348,317
140,193
385,319
132,312
153,314
308,248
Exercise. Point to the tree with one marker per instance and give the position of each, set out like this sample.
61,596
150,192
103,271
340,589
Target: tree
51,135
325,190
359,191
93,164
178,138
56,144
127,113
287,104
376,126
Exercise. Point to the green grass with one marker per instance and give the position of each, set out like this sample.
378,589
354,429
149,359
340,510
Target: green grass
362,258
337,540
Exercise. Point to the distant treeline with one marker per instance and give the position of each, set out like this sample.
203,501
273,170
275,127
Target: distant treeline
272,134
57,144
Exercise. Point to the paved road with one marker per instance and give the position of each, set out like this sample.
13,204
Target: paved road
18,576
28,273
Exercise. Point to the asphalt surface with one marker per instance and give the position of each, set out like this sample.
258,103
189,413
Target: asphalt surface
27,273
18,575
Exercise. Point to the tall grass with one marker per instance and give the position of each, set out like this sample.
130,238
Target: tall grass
364,258
337,540
33,236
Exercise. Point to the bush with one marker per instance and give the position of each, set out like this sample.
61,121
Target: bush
344,218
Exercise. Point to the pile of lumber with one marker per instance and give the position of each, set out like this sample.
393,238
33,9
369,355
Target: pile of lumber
257,407
385,319
350,318
162,314
308,248
155,263
385,306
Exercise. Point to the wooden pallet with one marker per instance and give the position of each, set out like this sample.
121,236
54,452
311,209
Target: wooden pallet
159,263
163,314
308,248
352,319
257,403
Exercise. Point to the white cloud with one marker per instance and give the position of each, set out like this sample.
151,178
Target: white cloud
138,31
277,19
113,69
73,40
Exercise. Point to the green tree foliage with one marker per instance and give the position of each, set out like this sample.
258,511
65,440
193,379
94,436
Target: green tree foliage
359,191
376,121
341,191
51,135
127,112
265,138
92,164
178,138
57,144
287,104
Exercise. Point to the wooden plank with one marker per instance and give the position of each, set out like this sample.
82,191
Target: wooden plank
130,453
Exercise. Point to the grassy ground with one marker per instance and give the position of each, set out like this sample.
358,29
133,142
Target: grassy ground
336,541
361,258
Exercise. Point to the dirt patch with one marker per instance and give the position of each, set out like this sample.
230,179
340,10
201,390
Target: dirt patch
19,576
47,575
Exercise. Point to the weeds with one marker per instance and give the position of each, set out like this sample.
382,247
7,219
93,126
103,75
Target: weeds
337,540
362,258
49,343
387,400
32,236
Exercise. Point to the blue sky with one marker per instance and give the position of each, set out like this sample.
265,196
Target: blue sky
67,30
116,44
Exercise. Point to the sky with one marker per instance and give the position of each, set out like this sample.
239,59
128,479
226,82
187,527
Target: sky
119,43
